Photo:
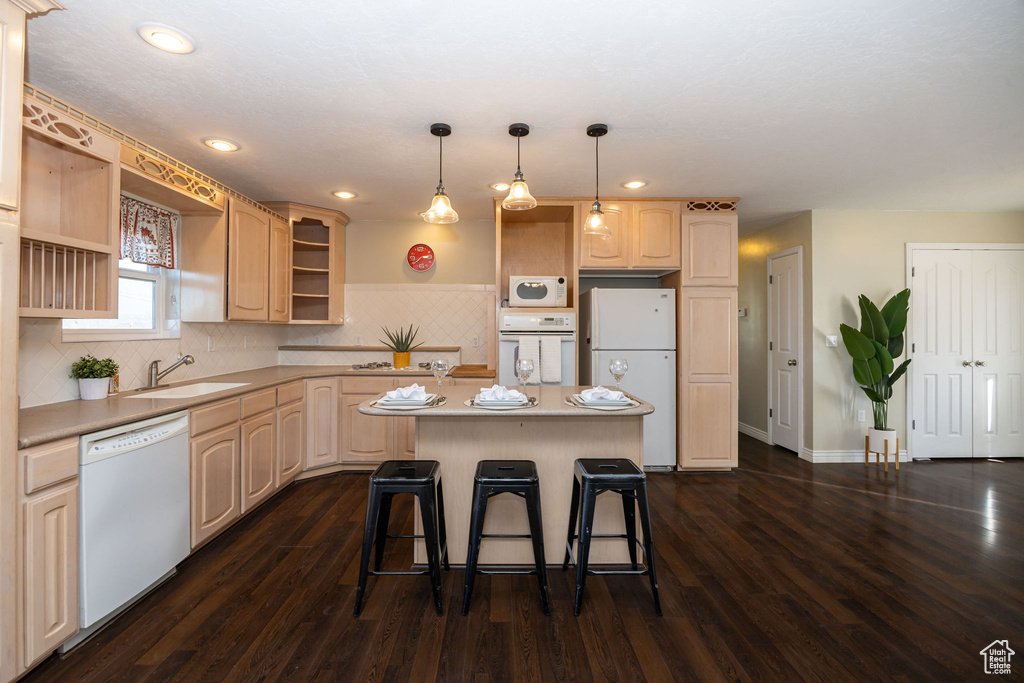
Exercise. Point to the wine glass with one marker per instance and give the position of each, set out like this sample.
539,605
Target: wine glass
440,368
618,367
524,368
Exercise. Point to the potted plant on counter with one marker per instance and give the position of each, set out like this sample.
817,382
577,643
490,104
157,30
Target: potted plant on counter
93,375
874,348
401,345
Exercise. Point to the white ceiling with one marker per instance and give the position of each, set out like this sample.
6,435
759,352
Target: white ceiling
788,104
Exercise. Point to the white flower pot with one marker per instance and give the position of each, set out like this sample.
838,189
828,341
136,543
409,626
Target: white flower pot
93,388
877,439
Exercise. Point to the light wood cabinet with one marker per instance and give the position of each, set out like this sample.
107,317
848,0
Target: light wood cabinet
708,387
614,252
248,264
12,72
291,442
710,243
365,438
405,438
321,422
280,270
656,235
50,570
645,236
259,464
215,461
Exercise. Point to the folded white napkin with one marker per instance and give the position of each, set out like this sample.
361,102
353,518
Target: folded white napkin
602,394
499,393
413,393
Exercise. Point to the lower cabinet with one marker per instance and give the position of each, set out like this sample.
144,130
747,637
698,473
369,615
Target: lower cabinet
259,445
291,442
405,440
215,461
321,422
365,438
51,570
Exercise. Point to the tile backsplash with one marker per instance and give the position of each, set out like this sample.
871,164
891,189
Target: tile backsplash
447,315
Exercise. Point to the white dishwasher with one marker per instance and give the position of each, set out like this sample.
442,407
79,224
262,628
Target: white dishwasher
134,513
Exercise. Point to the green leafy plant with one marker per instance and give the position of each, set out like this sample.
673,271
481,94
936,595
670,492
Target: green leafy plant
874,348
402,340
90,367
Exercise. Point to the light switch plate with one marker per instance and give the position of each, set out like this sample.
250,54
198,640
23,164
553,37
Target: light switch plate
831,341
861,416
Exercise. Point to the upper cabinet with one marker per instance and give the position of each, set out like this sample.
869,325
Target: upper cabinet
12,29
316,274
280,299
70,216
710,246
645,236
248,262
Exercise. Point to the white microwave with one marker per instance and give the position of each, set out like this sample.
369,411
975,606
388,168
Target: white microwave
537,291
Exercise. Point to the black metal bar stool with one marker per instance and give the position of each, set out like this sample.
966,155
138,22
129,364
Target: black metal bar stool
592,477
422,478
494,477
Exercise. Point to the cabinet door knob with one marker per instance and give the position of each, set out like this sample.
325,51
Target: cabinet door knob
980,363
968,363
791,362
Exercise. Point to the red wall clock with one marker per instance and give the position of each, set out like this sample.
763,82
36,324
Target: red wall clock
420,257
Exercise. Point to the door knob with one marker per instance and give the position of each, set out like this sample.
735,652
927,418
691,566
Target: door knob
968,363
980,363
791,362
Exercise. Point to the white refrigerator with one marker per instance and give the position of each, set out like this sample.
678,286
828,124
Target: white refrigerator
640,326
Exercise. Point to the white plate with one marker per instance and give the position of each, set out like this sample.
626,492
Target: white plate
418,406
603,401
501,406
591,406
384,400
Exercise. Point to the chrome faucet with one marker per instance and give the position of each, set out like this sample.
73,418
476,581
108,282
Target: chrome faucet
154,370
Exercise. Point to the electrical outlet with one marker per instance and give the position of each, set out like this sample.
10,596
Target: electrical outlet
245,341
476,342
316,340
211,343
862,416
359,340
831,341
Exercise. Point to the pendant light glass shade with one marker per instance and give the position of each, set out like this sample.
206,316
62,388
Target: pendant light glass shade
519,197
594,223
440,210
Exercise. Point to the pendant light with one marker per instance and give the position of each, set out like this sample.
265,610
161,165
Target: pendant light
519,197
594,223
440,210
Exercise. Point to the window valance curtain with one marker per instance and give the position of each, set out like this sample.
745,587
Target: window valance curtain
148,233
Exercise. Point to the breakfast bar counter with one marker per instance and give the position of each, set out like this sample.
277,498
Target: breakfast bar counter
552,434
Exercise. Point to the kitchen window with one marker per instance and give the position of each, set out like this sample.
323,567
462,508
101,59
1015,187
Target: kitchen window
147,295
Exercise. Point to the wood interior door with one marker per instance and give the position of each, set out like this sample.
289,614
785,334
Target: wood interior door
710,249
280,296
291,442
613,252
321,422
51,571
365,438
248,263
259,466
656,235
709,396
998,358
215,463
785,331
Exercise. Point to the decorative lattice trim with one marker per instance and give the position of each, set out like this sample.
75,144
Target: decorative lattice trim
711,205
187,171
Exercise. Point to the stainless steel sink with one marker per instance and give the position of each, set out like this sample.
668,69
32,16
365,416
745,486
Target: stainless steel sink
190,390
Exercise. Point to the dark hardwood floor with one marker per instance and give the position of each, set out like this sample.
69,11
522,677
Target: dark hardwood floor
780,571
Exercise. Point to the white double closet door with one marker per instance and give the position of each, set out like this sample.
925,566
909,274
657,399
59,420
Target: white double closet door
967,336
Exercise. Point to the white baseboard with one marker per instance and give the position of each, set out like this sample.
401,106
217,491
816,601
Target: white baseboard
833,457
755,433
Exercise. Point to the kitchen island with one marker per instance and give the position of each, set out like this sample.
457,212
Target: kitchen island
552,434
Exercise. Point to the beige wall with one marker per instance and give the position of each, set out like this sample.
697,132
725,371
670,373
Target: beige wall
864,252
753,330
375,252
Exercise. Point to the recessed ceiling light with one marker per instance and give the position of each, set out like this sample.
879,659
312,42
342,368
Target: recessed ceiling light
500,187
221,145
345,194
634,184
166,38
